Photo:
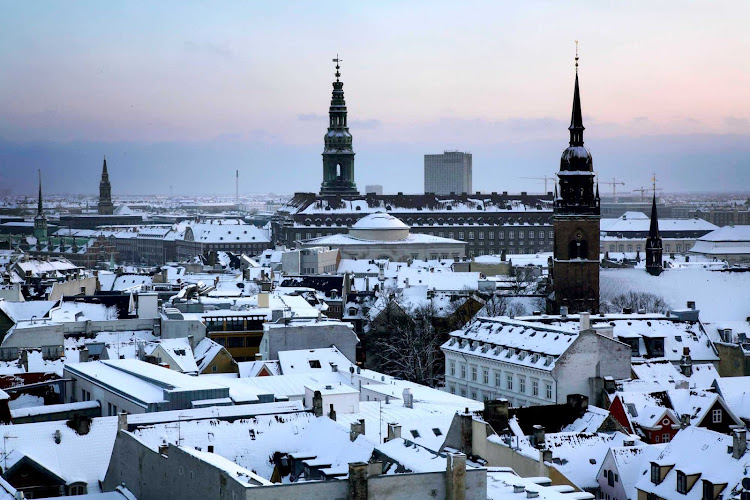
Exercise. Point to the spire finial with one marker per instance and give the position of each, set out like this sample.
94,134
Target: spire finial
337,61
653,182
576,56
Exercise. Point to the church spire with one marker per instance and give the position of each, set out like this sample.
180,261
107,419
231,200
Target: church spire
40,203
653,231
40,221
105,206
576,118
338,153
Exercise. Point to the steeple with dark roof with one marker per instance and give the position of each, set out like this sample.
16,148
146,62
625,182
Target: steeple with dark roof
654,244
338,153
40,221
575,266
105,206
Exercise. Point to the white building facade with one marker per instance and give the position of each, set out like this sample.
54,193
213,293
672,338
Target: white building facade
529,363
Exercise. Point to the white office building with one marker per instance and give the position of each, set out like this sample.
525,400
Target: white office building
447,173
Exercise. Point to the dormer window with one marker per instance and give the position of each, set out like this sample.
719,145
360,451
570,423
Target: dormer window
655,473
681,482
708,490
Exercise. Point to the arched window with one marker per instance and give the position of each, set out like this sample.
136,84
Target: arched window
338,170
578,249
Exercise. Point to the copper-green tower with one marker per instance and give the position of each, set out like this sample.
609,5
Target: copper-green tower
338,154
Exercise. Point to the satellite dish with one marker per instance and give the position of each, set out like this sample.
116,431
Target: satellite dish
746,483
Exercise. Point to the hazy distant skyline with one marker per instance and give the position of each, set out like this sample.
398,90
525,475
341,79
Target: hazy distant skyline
183,93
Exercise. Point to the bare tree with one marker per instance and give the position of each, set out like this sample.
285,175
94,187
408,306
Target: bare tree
502,305
636,301
409,347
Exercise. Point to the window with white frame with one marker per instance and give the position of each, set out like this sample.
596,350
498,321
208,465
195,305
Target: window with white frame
541,235
463,370
535,388
481,235
509,381
498,379
491,235
471,235
460,235
522,384
453,368
716,416
551,234
520,235
485,376
473,373
511,234
501,235
531,234
548,390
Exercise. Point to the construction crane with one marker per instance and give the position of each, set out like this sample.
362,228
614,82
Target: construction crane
643,191
545,179
614,185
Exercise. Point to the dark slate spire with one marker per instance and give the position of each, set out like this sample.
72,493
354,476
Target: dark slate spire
576,118
40,203
653,231
654,243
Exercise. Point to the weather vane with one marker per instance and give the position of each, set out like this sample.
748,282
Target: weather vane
337,61
576,56
653,180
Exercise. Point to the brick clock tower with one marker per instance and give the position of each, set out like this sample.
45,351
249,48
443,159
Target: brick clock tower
338,154
575,268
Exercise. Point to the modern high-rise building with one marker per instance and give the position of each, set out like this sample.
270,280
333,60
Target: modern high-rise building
447,173
374,188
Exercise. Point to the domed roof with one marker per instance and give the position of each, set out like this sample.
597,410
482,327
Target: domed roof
379,220
576,158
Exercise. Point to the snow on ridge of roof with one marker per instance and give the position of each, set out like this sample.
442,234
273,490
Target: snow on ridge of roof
729,233
18,311
180,351
238,473
313,360
49,409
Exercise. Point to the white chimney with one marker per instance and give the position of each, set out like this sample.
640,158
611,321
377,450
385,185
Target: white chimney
585,321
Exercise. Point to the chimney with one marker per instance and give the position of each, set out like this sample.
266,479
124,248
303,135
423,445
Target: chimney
532,494
564,311
739,442
317,403
332,413
546,456
585,323
408,398
356,428
358,481
83,355
627,310
518,488
691,304
394,431
609,384
578,403
164,449
495,409
686,363
684,421
456,476
122,421
334,367
538,437
467,436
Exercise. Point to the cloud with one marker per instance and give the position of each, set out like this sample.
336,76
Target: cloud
365,124
310,117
